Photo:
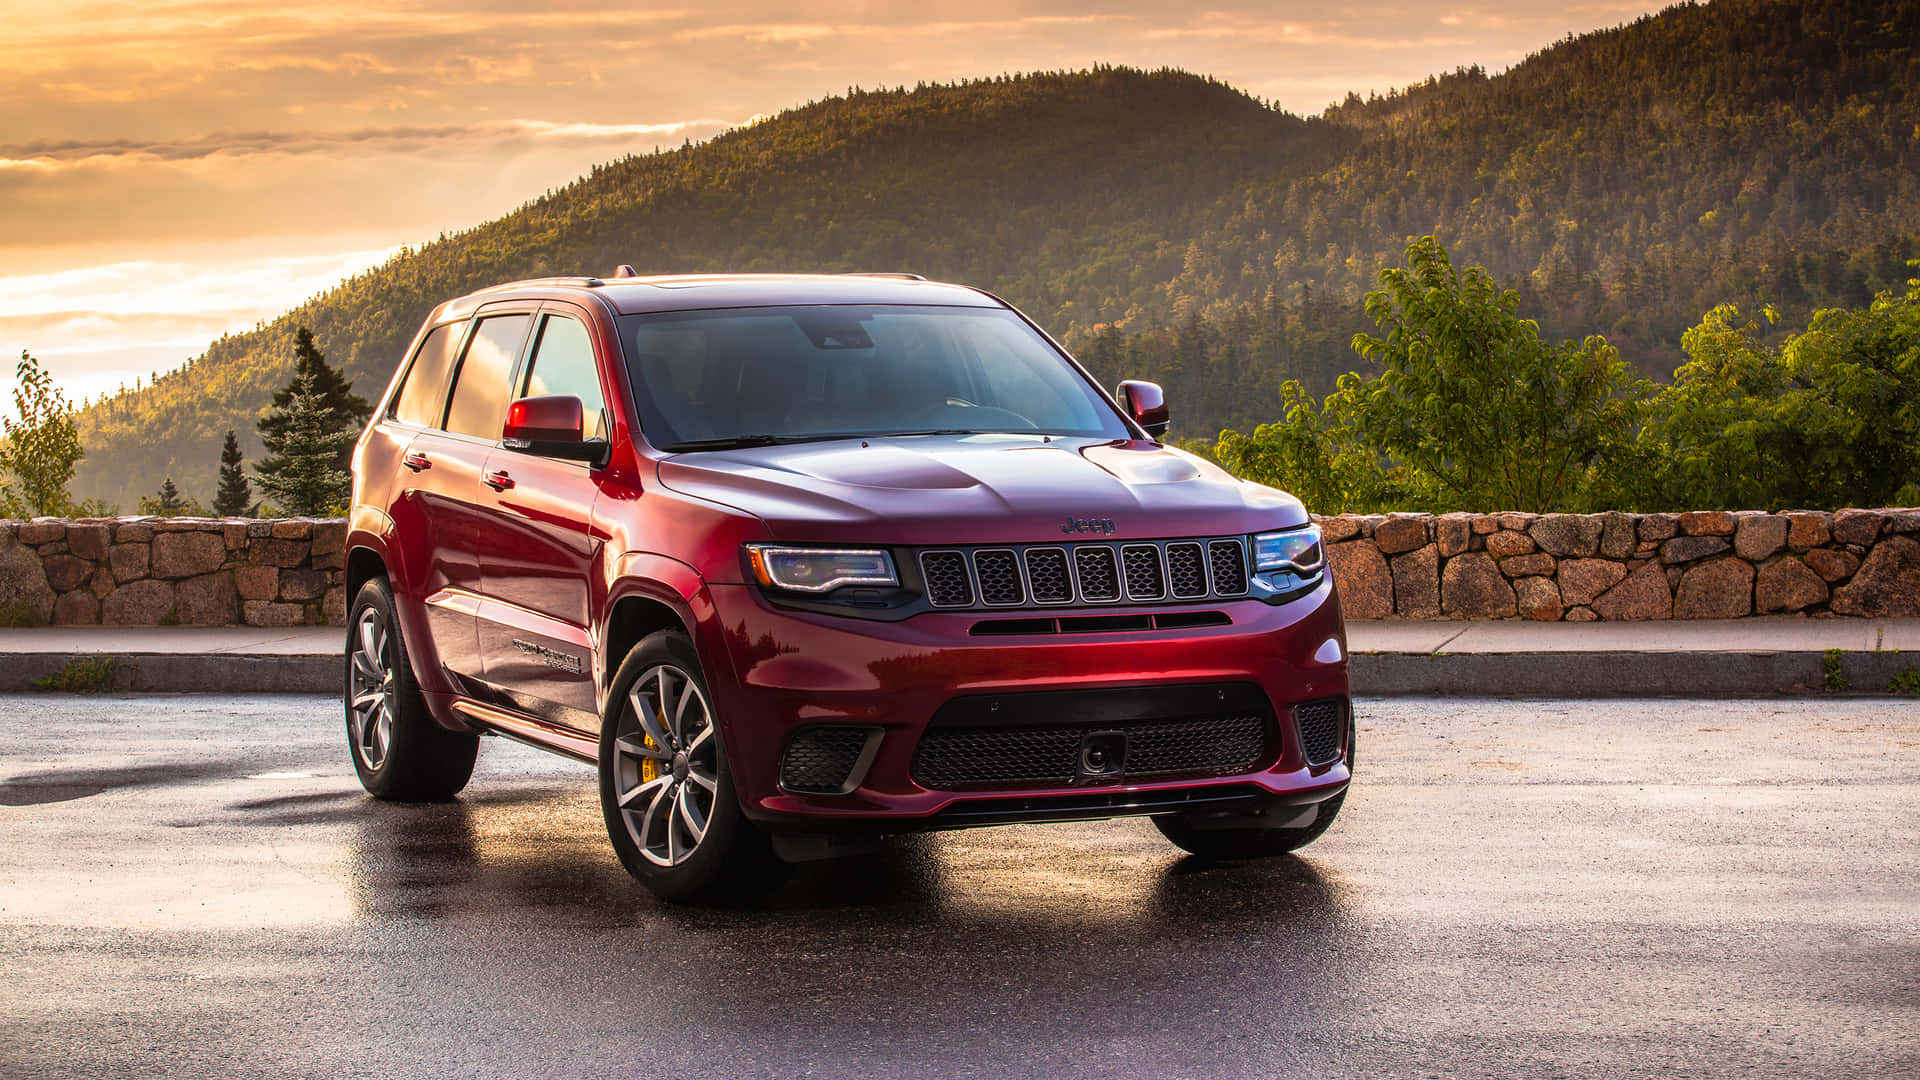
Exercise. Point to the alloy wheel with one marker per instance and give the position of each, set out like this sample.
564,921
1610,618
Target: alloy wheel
370,704
666,766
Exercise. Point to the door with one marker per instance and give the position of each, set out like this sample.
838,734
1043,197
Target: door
451,507
534,626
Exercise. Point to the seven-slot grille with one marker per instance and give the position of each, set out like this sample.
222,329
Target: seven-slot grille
1051,575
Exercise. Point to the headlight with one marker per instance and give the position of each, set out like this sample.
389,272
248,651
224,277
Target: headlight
1298,550
817,570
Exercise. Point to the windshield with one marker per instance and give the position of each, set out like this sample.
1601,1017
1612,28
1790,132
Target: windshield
764,375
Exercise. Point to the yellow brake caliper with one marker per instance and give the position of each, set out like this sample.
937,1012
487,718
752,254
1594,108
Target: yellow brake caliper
650,767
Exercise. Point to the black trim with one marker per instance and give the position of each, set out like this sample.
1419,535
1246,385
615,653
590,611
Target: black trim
1095,806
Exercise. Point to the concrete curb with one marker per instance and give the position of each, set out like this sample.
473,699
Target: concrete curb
1376,674
217,673
1622,674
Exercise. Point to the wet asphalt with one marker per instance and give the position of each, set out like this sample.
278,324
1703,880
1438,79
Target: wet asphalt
196,887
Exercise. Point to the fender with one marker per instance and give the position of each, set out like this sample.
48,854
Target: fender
682,589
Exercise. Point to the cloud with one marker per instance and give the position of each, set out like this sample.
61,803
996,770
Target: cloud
56,154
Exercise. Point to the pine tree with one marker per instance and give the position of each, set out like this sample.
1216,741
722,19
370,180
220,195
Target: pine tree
302,468
167,503
235,495
336,395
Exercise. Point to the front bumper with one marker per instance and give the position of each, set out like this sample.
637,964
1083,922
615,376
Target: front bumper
787,670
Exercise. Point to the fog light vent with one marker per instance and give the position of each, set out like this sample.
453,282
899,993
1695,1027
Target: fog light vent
826,760
1320,723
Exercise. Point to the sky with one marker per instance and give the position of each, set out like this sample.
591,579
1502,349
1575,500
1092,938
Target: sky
177,169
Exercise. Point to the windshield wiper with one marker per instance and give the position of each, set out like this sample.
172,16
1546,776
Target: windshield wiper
742,442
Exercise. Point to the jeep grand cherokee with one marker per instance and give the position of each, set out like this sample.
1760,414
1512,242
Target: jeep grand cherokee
794,559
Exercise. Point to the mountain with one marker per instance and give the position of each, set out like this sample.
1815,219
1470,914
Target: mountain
1168,226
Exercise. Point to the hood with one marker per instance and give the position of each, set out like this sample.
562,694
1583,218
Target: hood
979,489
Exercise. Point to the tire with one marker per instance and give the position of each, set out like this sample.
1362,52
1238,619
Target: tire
1219,837
398,750
665,790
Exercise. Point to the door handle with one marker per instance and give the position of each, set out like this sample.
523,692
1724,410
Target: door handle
415,460
498,480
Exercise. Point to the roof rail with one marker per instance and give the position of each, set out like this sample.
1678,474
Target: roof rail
884,274
625,271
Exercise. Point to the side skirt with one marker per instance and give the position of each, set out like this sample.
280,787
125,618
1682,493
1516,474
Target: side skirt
546,736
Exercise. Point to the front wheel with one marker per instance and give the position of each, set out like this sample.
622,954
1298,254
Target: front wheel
665,790
1256,835
1245,836
398,751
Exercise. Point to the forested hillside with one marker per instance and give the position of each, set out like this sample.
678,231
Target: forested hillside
1170,227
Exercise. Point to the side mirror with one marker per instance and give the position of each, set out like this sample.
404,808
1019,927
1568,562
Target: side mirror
549,426
1146,403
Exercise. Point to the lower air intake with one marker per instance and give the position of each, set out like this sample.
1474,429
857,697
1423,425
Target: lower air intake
1043,738
821,760
1320,723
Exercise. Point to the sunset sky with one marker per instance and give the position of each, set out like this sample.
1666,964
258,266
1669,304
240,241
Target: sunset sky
175,169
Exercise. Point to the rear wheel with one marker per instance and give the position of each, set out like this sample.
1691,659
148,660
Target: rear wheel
398,751
665,790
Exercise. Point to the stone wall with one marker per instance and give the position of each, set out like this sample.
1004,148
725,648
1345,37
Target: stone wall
168,571
1706,564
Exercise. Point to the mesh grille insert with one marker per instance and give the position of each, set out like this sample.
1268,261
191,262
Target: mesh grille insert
1093,566
999,572
946,574
1320,730
819,759
1198,745
1047,576
1142,565
1185,571
1229,565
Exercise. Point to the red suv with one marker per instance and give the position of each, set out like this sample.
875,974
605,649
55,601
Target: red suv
797,560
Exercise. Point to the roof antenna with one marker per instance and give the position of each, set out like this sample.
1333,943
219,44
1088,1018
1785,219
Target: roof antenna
626,271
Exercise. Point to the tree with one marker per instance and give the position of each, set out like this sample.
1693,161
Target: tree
1471,410
335,394
41,446
1829,417
170,503
302,470
235,496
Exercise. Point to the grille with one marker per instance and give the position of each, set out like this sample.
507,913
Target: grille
1320,730
820,759
1229,564
1141,563
1096,572
998,570
946,574
1185,571
1047,575
1093,567
1202,745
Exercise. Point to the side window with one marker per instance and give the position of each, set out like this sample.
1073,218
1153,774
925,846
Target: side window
563,364
418,401
479,405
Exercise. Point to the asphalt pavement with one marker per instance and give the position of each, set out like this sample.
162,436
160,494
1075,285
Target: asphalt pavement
195,886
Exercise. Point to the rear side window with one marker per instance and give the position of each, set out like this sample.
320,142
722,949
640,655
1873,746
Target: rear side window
419,399
563,364
479,404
